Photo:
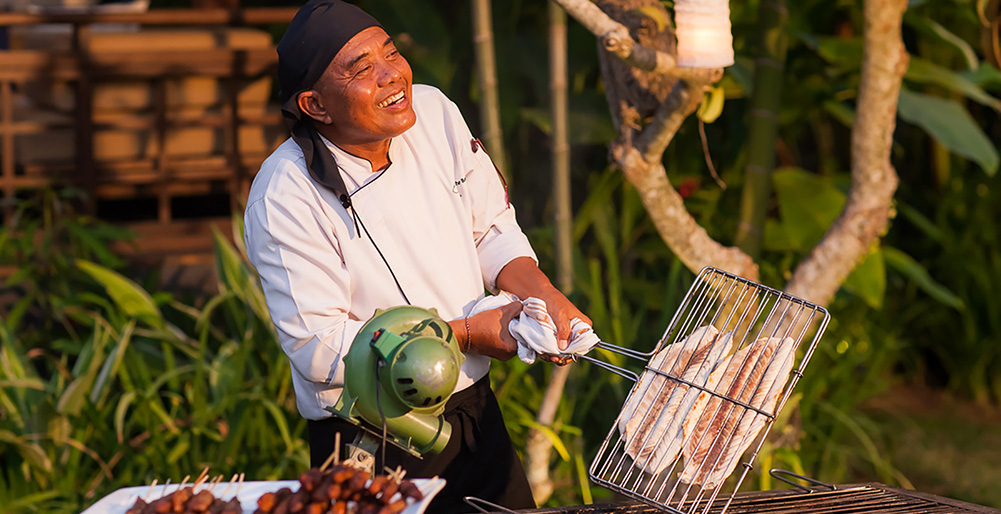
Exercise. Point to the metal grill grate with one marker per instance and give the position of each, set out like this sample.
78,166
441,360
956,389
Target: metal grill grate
709,392
854,499
857,498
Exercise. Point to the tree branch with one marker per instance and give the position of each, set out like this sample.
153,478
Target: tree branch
640,156
538,447
674,223
874,181
683,100
616,39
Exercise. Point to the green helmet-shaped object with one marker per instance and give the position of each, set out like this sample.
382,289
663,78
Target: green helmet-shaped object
423,371
402,367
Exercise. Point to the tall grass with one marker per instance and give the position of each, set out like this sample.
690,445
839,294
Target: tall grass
105,385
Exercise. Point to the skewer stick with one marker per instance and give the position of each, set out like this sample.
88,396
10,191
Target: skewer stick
151,486
230,484
330,459
165,485
183,482
201,479
238,485
335,456
214,482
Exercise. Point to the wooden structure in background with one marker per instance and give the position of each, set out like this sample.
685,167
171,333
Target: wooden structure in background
161,117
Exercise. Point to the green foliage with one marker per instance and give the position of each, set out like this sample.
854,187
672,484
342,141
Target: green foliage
955,331
130,386
808,204
949,123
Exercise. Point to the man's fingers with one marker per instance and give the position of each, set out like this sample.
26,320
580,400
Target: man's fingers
559,360
563,333
513,308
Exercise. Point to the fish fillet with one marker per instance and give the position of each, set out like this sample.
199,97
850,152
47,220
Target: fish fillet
717,432
650,382
652,424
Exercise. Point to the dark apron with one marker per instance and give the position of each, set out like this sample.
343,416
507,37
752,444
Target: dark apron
479,459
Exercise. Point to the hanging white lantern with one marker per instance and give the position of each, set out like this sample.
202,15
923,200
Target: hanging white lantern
703,30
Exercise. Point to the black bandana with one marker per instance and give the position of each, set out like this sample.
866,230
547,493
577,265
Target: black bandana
317,32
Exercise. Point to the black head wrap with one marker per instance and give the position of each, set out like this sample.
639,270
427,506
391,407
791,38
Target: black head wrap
318,31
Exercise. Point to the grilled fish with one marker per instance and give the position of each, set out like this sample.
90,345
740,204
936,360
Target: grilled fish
651,421
717,432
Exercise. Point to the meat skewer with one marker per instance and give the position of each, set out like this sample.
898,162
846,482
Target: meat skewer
651,422
342,489
717,432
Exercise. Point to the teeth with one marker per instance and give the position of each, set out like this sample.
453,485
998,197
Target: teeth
391,100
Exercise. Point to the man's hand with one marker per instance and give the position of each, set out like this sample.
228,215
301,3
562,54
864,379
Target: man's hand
562,311
523,277
488,333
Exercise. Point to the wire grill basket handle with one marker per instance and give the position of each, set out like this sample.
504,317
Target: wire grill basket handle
777,473
472,501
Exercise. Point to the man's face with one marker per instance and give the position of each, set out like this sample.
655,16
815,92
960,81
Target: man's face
365,92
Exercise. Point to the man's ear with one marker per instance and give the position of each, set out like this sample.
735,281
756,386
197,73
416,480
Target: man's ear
310,103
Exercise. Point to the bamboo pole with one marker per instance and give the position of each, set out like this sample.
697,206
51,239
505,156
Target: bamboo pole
486,71
561,145
773,17
539,448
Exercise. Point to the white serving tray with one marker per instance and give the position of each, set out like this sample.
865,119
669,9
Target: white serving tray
121,500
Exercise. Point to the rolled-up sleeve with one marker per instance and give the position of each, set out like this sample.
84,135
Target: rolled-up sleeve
498,237
305,283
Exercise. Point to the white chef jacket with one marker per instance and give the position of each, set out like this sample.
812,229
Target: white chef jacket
439,215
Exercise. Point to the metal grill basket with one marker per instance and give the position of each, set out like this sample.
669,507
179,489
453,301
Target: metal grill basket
708,394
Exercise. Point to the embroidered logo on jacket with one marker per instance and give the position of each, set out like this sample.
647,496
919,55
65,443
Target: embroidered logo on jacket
477,145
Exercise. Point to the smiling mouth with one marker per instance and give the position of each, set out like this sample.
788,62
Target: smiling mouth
392,100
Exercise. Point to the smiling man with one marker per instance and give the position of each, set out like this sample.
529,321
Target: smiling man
380,198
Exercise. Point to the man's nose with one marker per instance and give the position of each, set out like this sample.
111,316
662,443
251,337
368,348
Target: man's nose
388,73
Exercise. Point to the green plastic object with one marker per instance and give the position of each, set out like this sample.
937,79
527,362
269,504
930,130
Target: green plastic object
402,367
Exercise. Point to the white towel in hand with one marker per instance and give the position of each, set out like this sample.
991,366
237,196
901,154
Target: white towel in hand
534,328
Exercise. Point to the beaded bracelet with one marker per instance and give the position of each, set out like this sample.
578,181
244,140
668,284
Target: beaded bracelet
469,337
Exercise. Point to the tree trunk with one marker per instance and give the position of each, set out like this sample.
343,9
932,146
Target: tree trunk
874,181
764,125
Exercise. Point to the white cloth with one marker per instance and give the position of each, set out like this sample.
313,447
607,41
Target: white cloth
534,328
439,214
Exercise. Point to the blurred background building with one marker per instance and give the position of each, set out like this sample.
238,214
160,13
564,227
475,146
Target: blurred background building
158,117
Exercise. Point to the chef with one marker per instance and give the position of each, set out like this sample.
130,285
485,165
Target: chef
382,197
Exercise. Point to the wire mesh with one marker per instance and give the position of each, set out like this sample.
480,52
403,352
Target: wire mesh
709,392
847,499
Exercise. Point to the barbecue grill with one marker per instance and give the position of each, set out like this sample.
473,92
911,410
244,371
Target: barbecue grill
700,410
850,498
